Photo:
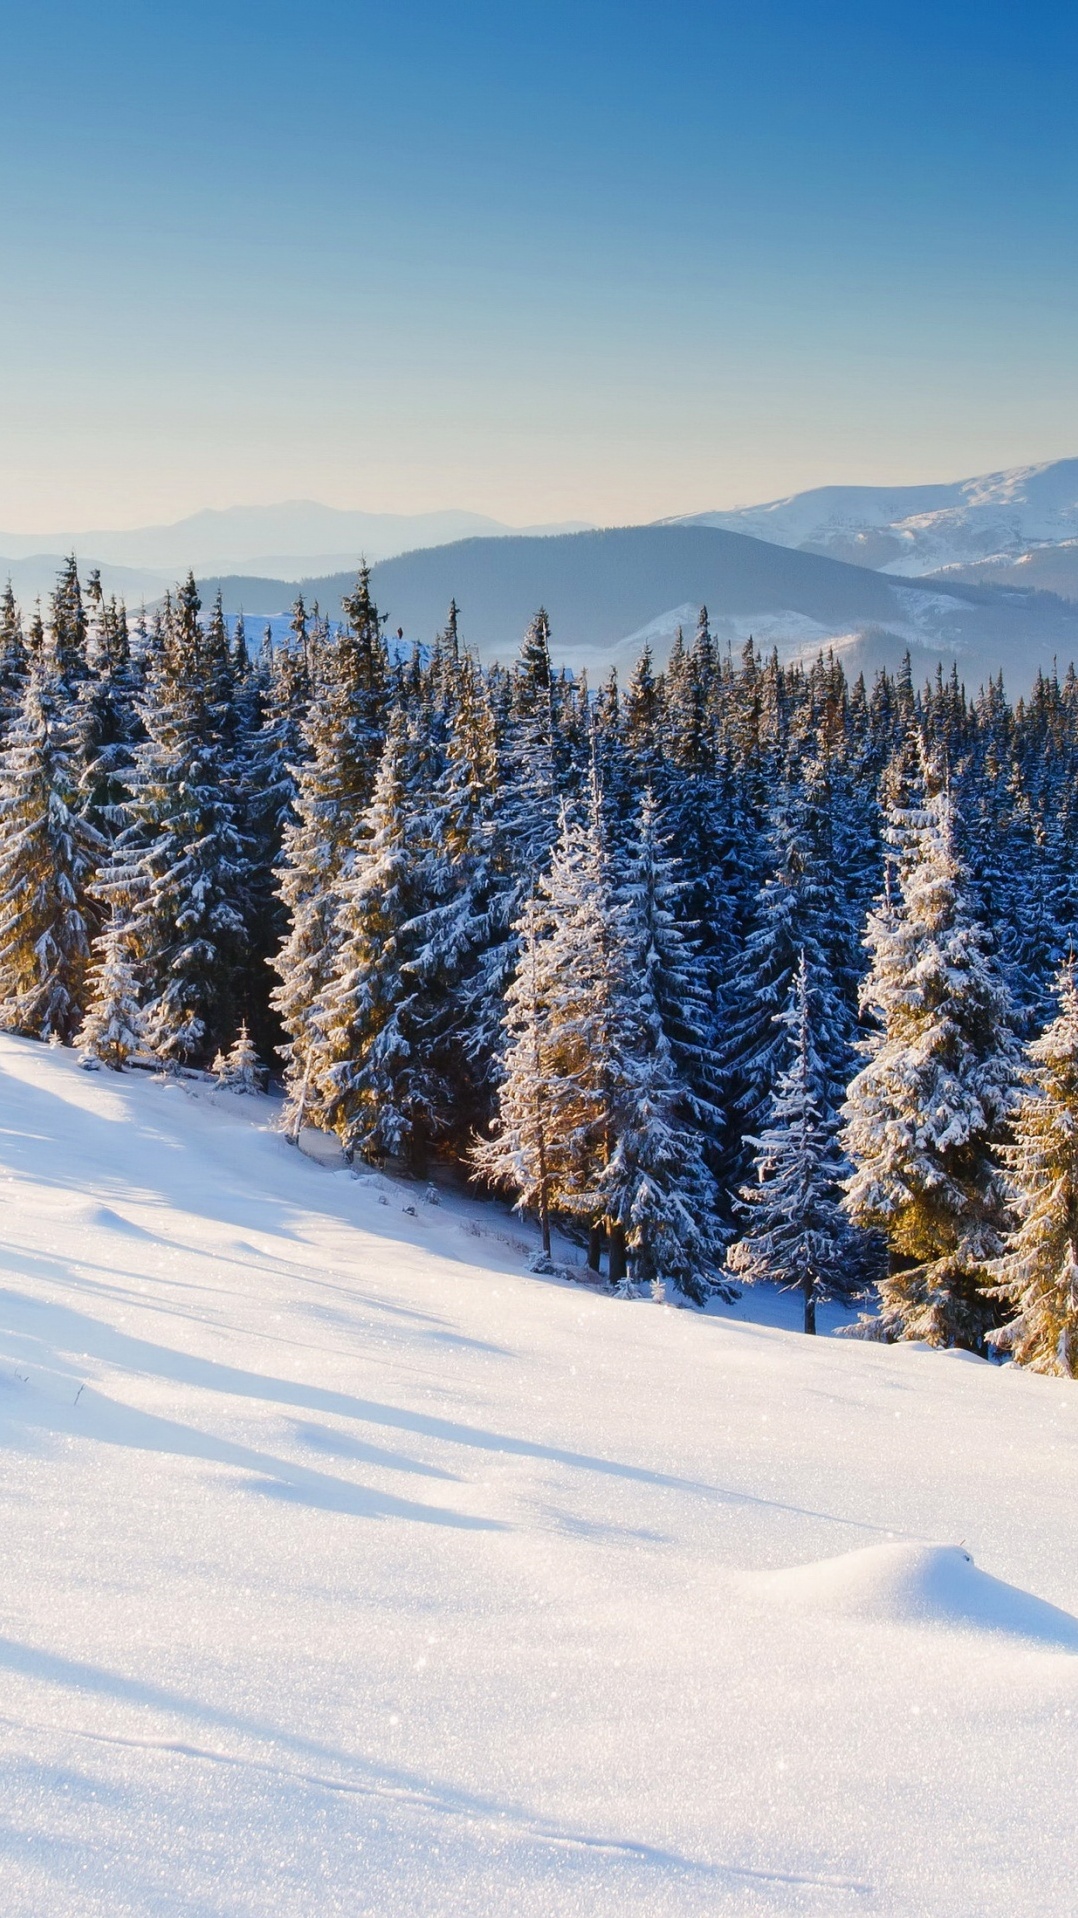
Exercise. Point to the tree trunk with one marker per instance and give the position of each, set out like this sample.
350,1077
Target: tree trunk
616,1254
596,1238
809,1289
419,1151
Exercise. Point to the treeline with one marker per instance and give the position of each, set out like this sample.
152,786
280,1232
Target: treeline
699,967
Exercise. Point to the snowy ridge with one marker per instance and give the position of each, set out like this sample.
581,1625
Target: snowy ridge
914,530
350,1568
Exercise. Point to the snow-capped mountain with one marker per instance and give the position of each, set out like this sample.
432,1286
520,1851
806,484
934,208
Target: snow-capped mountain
914,530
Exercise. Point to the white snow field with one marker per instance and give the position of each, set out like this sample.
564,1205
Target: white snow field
349,1569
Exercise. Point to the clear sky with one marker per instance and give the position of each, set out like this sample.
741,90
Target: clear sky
543,258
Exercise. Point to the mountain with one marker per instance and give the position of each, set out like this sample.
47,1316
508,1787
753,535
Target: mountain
1045,569
280,541
609,592
914,530
351,1568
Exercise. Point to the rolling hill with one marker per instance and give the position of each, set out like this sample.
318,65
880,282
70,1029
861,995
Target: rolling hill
609,592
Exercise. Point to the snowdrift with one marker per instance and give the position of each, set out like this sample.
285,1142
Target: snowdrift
908,1584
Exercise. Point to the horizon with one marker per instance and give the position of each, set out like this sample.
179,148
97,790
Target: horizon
595,524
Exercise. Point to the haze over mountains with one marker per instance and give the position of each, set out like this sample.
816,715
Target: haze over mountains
983,572
277,542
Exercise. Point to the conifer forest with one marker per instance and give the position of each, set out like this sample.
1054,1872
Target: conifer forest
737,971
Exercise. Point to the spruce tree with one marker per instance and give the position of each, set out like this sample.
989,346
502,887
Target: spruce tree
178,874
658,1186
565,994
112,1031
924,1112
1036,1277
46,859
14,660
460,931
800,909
239,1069
793,1229
342,740
373,1082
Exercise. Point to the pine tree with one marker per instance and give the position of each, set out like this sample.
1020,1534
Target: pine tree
46,858
66,632
518,1156
1037,1274
531,760
799,909
794,1230
925,1110
178,874
658,1185
460,932
594,1121
373,1084
106,726
657,1191
14,660
342,740
112,1030
564,992
239,1069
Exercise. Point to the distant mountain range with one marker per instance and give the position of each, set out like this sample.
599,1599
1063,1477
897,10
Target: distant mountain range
915,530
276,542
984,572
607,593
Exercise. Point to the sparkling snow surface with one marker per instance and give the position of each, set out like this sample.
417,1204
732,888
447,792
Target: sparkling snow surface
347,1569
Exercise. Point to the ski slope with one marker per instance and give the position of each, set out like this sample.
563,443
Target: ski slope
349,1569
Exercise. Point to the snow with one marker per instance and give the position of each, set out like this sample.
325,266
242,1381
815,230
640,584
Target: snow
918,1585
913,530
350,1569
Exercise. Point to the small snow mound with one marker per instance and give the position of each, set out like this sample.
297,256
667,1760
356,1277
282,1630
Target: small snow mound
906,1584
103,1218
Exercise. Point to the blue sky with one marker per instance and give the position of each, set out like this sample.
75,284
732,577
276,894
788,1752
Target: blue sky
598,260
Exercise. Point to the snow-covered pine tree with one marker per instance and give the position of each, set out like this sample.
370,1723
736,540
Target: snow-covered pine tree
459,935
14,660
793,1228
931,1101
518,1154
66,632
240,1069
799,908
106,726
657,1187
1036,1277
666,953
112,1031
373,1085
565,990
46,858
342,741
178,874
530,766
272,756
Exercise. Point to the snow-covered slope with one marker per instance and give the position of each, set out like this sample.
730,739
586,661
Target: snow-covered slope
919,529
348,1569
